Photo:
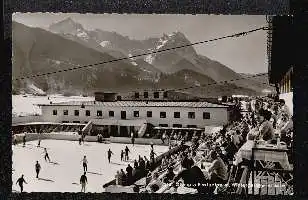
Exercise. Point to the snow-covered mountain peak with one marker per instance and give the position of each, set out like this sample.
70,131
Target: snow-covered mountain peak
69,26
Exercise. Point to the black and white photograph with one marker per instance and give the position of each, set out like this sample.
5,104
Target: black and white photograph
151,103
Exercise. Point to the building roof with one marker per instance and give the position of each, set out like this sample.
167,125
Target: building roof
139,104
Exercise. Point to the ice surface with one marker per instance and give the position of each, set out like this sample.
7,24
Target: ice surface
23,106
65,169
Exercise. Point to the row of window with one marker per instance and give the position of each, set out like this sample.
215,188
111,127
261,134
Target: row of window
161,125
146,95
191,115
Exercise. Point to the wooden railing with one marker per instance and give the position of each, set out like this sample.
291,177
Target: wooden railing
278,179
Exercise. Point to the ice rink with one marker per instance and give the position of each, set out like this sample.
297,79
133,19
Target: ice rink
65,169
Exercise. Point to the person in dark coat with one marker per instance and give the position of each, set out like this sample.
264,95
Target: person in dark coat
46,155
109,155
37,168
20,182
83,182
135,164
126,153
122,155
129,171
24,140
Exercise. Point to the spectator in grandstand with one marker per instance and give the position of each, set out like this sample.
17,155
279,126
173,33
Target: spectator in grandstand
129,171
155,183
135,163
117,178
266,130
169,176
218,170
122,178
284,108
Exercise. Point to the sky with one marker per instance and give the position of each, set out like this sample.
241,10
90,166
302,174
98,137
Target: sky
246,54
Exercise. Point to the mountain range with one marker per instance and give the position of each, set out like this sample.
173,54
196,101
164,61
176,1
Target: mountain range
68,44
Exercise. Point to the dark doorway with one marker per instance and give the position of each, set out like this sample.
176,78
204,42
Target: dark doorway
114,130
123,114
123,131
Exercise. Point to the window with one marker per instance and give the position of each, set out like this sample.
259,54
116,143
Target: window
76,121
149,113
99,113
162,114
65,121
136,113
146,95
206,115
88,113
165,94
177,114
136,95
54,112
123,114
65,112
163,125
191,126
191,115
156,95
76,112
111,113
177,125
85,122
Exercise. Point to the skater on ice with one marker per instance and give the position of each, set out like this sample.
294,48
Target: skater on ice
126,153
37,168
122,155
109,155
80,140
46,155
85,164
21,182
83,182
133,140
24,140
39,143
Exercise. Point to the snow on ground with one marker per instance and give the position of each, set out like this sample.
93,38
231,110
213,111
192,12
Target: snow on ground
105,43
65,169
24,105
149,59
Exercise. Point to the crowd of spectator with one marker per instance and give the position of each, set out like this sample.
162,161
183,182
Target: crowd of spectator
264,119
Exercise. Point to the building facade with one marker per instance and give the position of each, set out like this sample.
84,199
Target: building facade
166,114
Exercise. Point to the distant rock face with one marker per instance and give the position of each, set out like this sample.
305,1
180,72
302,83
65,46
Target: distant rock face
67,44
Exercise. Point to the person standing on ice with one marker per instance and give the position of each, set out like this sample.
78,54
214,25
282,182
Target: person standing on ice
24,140
133,139
109,155
152,153
39,143
46,155
126,153
83,182
85,164
122,155
152,146
21,182
37,168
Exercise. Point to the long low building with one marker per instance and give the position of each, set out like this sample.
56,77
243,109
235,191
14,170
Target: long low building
168,114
